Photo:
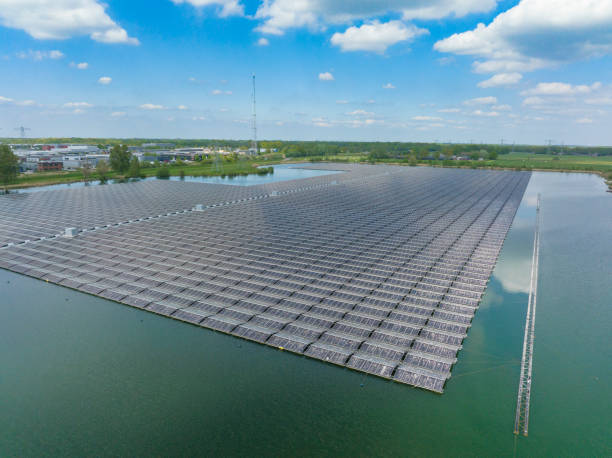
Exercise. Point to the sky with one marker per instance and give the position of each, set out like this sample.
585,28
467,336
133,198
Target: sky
528,71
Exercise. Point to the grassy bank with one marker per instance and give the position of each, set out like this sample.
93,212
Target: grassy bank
205,169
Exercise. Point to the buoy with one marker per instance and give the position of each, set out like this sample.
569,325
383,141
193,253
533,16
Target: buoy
281,348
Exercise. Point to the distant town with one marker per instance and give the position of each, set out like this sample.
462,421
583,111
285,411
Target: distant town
45,157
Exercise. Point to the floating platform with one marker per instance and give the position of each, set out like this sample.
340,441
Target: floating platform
379,269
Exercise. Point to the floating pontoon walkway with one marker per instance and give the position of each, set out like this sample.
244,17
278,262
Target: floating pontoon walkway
379,269
521,420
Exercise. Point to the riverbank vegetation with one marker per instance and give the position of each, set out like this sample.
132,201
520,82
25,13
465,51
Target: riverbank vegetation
230,166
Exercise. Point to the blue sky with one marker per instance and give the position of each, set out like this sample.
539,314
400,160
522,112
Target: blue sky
401,70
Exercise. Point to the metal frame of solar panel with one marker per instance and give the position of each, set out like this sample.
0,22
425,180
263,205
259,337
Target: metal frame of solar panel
381,272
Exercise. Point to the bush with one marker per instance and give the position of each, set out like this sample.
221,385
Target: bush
163,172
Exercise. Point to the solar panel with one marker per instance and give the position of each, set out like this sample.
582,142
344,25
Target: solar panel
381,273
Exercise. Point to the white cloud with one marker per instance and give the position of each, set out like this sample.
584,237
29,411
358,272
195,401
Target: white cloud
375,36
533,101
226,7
599,101
426,118
341,102
183,107
280,15
151,106
490,114
220,92
80,65
77,105
105,80
326,76
26,103
198,118
501,107
501,79
118,114
584,121
388,86
62,19
537,34
449,110
39,55
78,111
321,122
490,100
360,113
263,42
557,88
5,100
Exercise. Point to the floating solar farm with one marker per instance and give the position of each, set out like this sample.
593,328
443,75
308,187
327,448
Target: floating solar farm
379,269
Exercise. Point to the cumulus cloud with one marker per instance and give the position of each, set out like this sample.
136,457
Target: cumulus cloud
326,76
105,80
77,105
426,118
584,121
62,19
360,113
225,7
151,106
220,92
388,86
501,79
536,34
80,65
263,42
280,15
556,88
375,36
490,114
26,103
39,55
118,114
5,100
490,100
183,107
449,110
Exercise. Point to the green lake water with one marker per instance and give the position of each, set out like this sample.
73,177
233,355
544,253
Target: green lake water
80,375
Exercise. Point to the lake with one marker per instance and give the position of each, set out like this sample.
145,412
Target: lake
82,375
282,172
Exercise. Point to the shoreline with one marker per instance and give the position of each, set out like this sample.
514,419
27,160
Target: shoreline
72,180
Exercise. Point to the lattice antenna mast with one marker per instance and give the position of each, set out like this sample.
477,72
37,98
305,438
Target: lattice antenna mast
254,139
22,130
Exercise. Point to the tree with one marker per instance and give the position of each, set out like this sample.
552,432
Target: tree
86,170
120,158
102,169
492,155
9,166
163,172
135,168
